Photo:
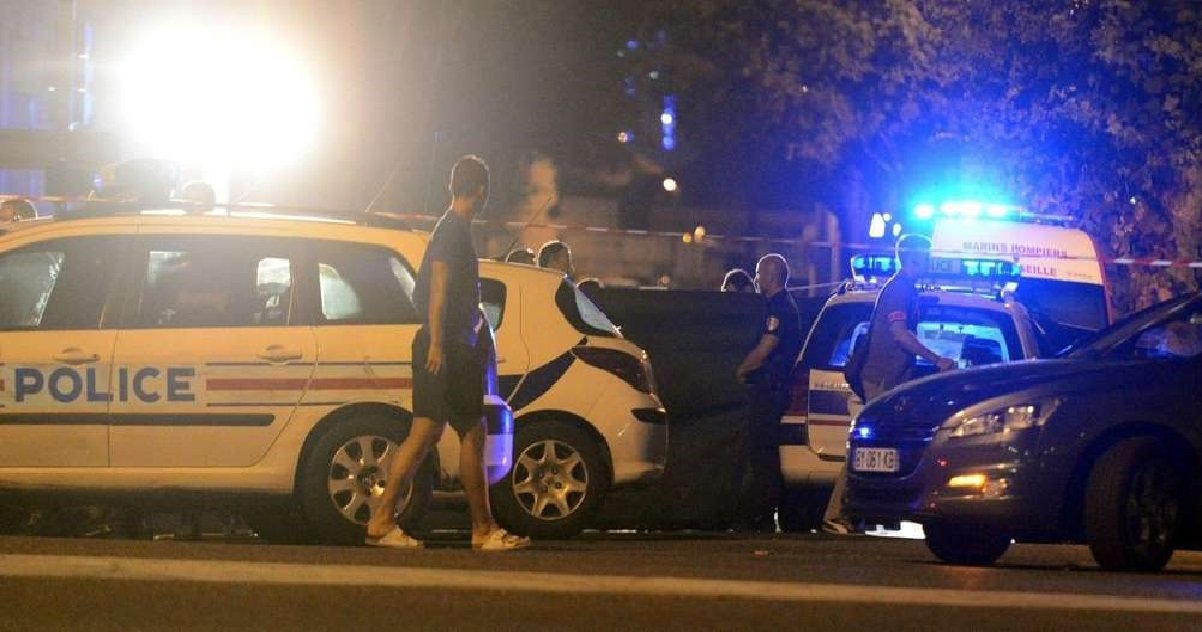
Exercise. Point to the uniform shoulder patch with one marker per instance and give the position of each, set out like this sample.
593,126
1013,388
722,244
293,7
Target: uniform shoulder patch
773,324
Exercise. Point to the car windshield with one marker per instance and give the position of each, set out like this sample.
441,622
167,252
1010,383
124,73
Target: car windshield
1081,306
1129,328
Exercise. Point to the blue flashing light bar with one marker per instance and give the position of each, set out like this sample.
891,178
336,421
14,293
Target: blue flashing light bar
878,266
967,209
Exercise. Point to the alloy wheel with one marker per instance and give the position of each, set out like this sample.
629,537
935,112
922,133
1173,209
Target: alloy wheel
550,479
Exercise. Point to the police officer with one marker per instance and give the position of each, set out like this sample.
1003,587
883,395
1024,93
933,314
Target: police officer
767,369
892,346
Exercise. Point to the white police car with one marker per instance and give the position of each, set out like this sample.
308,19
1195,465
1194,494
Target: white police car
268,357
958,319
587,413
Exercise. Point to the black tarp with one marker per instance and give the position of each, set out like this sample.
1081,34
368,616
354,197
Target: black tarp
695,341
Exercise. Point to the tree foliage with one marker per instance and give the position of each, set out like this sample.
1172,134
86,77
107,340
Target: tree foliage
1087,107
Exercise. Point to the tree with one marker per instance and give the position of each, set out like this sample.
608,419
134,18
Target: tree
1084,107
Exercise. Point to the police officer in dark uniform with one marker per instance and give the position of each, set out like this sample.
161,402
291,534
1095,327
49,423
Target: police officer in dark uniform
767,369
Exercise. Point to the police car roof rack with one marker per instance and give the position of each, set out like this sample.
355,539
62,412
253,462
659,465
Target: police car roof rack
82,209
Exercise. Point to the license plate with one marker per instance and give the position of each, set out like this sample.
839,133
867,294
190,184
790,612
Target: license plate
875,460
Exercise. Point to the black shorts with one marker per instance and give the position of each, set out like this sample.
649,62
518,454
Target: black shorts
456,393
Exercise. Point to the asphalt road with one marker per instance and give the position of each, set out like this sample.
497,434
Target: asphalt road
596,582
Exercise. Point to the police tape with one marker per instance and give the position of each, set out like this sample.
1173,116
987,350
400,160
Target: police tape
698,236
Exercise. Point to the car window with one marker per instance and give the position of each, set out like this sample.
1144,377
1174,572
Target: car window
58,285
1177,337
584,315
1127,329
364,285
1079,305
830,340
492,299
217,282
972,337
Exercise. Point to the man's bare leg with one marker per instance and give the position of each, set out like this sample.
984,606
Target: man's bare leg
423,435
475,479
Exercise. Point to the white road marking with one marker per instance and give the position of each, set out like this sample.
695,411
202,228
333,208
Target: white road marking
237,572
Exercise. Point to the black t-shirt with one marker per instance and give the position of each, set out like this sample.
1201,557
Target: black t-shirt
783,321
887,363
451,243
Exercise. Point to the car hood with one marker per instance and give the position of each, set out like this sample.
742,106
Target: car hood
948,393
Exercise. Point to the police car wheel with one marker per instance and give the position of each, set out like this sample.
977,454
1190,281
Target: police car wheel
345,471
556,484
1133,506
963,545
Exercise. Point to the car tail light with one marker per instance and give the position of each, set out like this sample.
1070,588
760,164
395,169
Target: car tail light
634,371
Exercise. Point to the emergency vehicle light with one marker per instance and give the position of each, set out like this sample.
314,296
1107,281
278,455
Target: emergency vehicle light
994,270
878,266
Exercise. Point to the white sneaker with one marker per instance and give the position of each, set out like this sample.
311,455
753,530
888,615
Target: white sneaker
395,539
500,540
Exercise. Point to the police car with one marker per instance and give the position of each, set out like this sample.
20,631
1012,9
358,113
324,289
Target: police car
962,316
268,357
1101,446
588,414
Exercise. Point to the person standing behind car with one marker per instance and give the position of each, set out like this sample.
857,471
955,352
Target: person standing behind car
767,368
737,280
893,344
556,255
448,371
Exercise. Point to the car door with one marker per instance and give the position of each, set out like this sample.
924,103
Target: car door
501,301
211,360
828,415
56,350
361,301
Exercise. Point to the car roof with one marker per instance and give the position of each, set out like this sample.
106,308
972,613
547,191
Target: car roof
956,299
308,226
525,274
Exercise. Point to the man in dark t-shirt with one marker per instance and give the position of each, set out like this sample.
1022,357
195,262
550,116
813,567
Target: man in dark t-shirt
767,369
892,346
448,370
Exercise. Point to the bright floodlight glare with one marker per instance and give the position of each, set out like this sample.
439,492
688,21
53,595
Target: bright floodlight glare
670,185
997,210
924,211
222,96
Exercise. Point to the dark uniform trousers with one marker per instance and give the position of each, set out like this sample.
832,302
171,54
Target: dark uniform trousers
762,489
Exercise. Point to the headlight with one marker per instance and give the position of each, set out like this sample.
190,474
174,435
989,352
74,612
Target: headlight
1003,420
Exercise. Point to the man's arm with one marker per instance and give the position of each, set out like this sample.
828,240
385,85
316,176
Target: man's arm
439,272
755,359
910,344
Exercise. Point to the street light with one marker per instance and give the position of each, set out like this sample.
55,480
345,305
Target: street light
224,98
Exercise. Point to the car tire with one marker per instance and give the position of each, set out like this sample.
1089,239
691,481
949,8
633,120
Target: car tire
961,545
1133,503
344,470
557,482
801,510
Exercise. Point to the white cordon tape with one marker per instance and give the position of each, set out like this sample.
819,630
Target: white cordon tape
1122,261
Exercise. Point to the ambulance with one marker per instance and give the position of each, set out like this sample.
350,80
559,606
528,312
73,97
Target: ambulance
1062,281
